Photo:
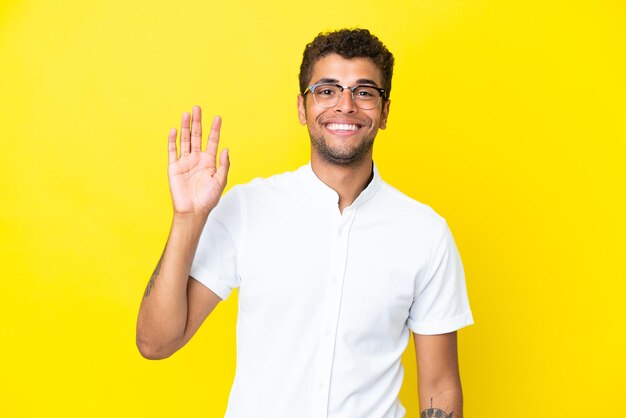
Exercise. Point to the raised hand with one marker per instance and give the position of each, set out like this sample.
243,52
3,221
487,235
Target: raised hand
196,183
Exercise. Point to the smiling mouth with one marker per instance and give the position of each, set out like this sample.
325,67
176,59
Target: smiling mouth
342,127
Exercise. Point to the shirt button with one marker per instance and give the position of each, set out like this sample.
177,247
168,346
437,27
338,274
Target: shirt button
321,385
327,332
335,280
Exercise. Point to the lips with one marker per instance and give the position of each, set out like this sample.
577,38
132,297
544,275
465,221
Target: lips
342,127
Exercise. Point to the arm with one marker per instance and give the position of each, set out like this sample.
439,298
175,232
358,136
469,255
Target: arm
174,307
439,382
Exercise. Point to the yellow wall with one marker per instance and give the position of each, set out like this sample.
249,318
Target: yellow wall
507,117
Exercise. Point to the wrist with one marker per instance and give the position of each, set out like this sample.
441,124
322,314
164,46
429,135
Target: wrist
190,219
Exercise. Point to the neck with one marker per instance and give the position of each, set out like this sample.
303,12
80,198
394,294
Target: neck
347,181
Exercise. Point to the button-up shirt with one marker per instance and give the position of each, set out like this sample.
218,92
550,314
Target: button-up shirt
327,298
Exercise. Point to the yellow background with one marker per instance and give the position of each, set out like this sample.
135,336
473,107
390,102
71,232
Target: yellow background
507,117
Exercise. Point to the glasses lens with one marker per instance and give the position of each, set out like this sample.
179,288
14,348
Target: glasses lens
327,95
366,97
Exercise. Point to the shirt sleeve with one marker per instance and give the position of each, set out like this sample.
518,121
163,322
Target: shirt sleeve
215,262
441,304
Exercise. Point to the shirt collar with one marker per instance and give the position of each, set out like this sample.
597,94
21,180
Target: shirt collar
322,192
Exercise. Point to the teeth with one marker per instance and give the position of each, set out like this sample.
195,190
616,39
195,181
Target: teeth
342,127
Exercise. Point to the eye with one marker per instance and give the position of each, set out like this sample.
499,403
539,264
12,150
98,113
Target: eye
366,93
326,90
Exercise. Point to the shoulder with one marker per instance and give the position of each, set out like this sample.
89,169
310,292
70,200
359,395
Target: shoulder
277,181
268,189
408,210
259,196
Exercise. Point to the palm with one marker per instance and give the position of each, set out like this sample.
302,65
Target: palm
196,183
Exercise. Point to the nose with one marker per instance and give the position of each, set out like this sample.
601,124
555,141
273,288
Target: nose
346,104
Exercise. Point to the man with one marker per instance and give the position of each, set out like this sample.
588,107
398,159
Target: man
333,266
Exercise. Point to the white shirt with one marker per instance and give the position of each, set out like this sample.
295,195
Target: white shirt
327,299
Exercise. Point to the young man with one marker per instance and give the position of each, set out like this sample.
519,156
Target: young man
333,265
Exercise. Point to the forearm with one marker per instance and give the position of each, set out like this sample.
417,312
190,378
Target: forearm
446,396
163,313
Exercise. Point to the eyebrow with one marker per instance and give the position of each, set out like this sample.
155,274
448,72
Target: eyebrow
366,81
326,80
335,81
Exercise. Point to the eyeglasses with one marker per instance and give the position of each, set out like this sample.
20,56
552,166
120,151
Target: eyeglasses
328,95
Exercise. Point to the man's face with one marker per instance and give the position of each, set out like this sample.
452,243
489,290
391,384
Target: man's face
343,134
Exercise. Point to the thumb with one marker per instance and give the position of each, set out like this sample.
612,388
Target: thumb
222,170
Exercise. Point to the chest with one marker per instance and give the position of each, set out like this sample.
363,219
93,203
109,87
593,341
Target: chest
354,271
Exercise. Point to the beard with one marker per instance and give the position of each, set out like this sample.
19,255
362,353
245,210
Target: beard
341,155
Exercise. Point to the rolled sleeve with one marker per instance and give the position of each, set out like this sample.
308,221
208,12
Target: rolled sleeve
215,262
441,304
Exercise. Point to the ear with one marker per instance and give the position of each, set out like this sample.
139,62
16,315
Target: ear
385,114
301,110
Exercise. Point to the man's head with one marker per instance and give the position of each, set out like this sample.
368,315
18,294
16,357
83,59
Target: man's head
344,80
347,43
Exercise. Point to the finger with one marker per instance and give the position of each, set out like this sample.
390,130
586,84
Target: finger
214,139
185,134
196,129
171,147
222,171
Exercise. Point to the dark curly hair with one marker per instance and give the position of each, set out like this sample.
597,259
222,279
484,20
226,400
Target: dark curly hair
348,43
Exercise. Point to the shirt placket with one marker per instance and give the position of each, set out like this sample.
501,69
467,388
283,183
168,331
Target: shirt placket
334,288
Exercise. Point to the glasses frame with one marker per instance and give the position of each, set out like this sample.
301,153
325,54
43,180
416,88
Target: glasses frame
312,88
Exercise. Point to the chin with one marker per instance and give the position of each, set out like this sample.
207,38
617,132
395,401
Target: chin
342,157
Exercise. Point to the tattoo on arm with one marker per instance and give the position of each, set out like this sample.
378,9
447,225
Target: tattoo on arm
157,269
435,412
